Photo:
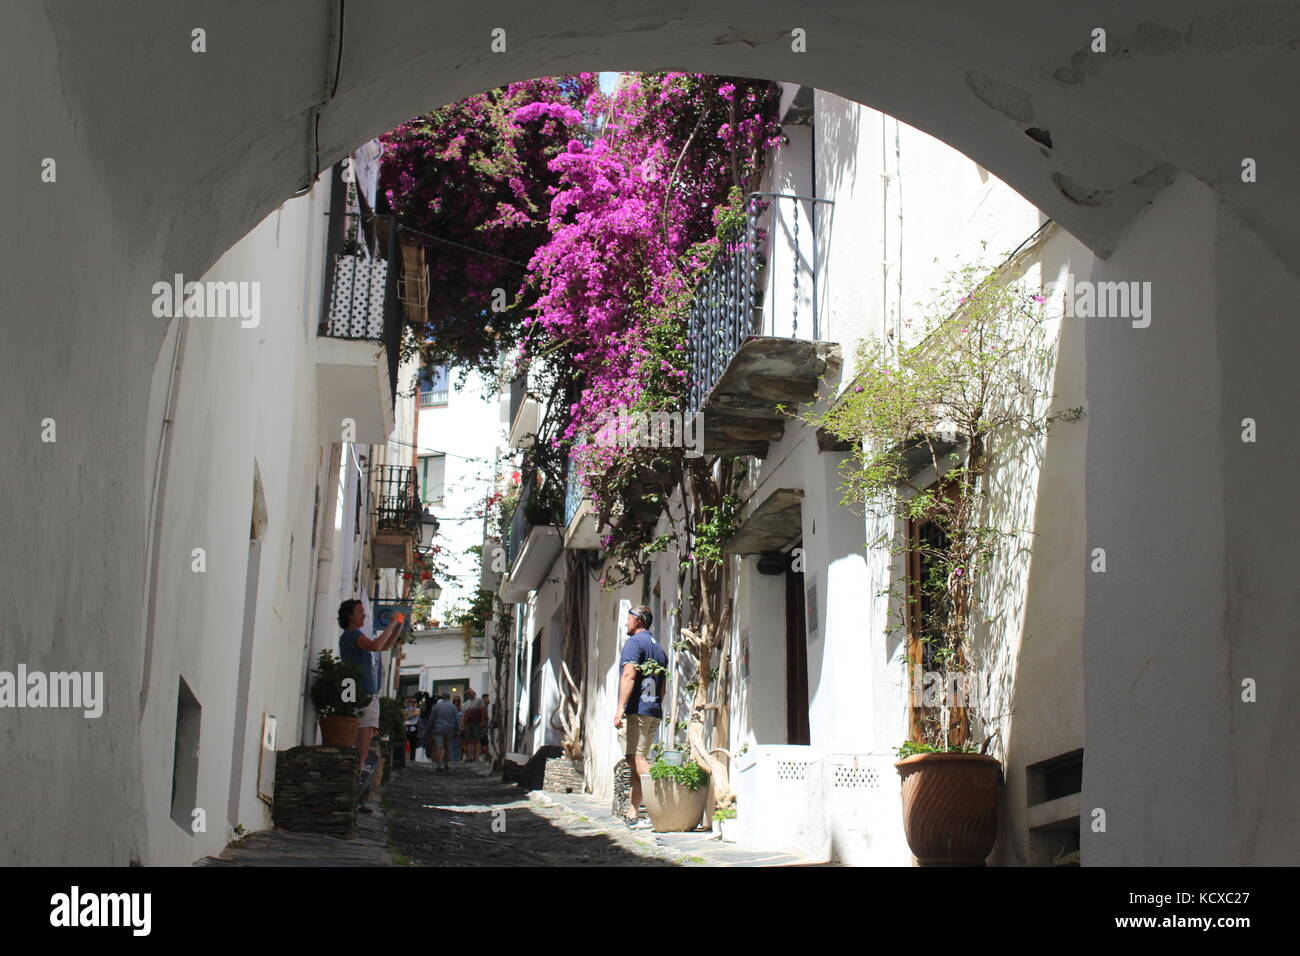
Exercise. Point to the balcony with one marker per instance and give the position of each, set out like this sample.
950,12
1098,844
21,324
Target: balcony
358,338
525,414
580,528
533,541
397,514
748,353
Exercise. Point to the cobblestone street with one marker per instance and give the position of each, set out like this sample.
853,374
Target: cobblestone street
446,819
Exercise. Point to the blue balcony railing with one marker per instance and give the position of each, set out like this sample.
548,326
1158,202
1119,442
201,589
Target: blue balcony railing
517,532
572,496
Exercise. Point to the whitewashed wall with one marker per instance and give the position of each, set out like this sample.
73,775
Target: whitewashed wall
246,405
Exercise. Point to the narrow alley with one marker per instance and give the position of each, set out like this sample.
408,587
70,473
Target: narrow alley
456,819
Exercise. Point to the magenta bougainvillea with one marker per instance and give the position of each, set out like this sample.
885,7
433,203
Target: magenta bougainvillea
597,214
472,182
633,220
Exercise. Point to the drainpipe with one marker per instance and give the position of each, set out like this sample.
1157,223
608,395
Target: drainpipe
812,218
324,563
884,233
898,174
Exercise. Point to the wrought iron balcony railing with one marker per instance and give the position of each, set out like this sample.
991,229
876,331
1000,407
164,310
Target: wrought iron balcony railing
518,529
397,501
572,496
536,507
731,302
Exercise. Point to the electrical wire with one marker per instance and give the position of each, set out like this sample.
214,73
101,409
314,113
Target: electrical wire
459,245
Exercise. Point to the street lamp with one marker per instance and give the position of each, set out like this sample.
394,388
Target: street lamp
434,589
428,528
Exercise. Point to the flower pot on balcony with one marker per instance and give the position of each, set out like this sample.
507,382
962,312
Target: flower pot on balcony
339,731
950,807
673,808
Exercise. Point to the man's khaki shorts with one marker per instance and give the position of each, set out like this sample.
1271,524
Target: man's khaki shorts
370,716
638,733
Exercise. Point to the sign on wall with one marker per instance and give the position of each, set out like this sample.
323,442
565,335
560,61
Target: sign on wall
384,612
266,759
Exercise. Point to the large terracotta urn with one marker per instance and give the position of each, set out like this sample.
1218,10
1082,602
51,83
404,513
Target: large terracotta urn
338,731
672,807
950,807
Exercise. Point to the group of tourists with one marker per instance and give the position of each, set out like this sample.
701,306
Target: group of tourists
448,730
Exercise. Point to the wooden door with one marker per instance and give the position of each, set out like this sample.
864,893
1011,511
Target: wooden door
796,661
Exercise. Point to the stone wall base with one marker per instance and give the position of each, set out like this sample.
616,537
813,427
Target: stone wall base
316,790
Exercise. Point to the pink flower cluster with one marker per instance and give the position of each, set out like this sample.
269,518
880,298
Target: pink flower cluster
626,214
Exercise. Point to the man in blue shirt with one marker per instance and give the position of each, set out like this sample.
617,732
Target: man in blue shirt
443,721
356,648
640,699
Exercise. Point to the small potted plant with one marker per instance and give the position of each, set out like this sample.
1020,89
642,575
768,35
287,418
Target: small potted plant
676,795
725,818
674,758
950,803
337,703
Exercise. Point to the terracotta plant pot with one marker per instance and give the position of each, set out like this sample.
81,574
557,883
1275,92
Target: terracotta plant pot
672,807
950,807
338,731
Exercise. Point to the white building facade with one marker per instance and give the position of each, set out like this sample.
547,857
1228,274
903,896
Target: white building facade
867,218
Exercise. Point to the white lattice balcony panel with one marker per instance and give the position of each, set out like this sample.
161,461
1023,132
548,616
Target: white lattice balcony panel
357,298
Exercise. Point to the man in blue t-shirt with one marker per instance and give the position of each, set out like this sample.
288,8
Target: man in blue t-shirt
356,648
640,699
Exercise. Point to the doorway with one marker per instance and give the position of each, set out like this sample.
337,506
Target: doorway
796,660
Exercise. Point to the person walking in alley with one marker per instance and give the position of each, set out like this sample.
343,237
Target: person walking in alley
445,720
412,726
455,735
356,648
471,721
640,700
485,740
425,727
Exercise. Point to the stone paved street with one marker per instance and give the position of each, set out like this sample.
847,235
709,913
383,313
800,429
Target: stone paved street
446,819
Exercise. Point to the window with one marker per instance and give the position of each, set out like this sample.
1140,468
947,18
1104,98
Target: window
433,385
185,757
433,478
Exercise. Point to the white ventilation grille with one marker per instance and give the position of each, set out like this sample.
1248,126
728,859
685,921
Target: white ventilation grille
791,770
846,777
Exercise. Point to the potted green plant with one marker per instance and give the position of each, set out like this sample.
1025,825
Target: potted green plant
338,696
725,819
672,757
950,803
930,422
675,795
